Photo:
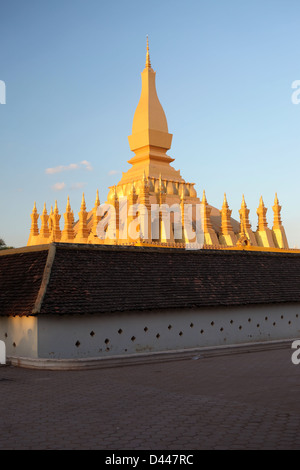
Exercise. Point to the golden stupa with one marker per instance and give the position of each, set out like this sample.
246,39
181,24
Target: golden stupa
150,181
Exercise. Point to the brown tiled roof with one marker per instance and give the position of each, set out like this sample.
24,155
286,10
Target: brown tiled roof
80,279
20,280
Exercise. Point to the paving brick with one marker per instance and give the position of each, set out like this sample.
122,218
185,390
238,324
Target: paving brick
135,408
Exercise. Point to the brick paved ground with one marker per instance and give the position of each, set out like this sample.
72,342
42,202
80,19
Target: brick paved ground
240,401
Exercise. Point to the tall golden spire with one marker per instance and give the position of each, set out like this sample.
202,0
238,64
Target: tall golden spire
150,138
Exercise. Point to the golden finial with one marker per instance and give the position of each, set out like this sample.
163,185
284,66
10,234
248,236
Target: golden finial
83,206
55,208
148,63
225,203
68,208
277,209
97,201
204,200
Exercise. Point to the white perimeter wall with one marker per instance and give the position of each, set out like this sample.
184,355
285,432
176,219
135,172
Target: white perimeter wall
106,335
65,337
19,335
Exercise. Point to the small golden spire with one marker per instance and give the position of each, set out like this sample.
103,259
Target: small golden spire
97,201
67,234
96,217
83,232
44,232
225,203
68,208
226,227
148,63
83,206
261,212
205,215
261,202
34,231
277,209
56,232
51,213
55,208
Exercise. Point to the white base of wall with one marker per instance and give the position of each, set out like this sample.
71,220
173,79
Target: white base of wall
146,358
94,337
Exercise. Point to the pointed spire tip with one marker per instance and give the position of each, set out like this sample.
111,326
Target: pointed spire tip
148,63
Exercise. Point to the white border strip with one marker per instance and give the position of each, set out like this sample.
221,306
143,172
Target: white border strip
145,358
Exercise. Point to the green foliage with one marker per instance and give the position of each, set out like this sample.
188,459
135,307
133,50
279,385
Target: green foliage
3,245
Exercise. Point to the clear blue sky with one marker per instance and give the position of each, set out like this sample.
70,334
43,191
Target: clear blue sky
224,75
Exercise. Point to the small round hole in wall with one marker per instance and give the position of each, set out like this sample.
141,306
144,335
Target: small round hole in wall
120,331
132,338
6,335
158,335
266,318
202,331
290,322
231,321
297,315
212,323
249,320
274,324
191,325
106,341
281,317
77,344
92,333
107,349
146,328
240,327
258,325
14,345
169,327
221,329
180,333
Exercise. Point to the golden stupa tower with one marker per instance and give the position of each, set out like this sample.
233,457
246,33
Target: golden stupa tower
152,180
